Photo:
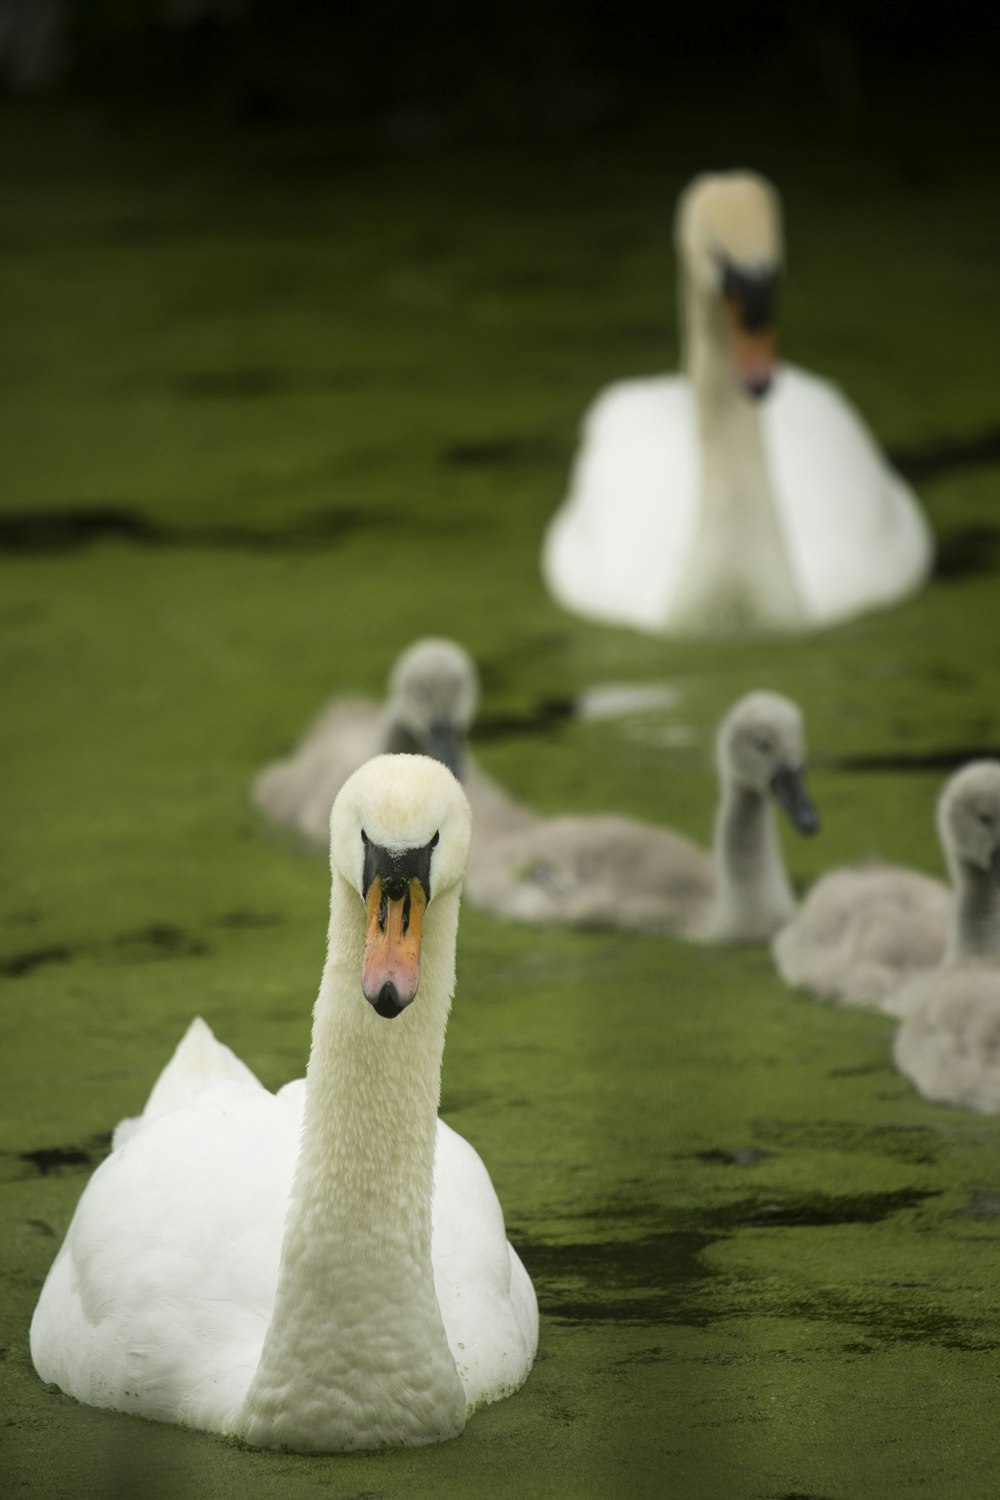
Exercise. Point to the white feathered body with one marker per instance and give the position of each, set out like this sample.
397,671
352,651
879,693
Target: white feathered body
620,546
161,1295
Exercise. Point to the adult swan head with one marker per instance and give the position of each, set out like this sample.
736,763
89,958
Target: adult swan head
325,1269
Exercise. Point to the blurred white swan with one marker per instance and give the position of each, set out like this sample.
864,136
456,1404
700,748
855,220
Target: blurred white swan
731,497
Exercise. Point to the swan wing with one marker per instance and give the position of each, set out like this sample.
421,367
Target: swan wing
161,1293
857,535
616,548
199,1061
487,1302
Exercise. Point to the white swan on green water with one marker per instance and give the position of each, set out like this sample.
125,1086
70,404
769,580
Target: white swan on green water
739,495
324,1269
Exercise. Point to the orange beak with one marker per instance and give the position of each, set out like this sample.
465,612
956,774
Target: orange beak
754,352
390,971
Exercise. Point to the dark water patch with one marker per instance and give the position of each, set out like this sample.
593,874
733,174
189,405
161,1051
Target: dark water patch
917,1145
67,530
20,964
946,759
31,533
650,1280
735,1156
48,1160
498,453
655,1354
547,714
967,552
228,385
862,1071
891,1319
661,1277
160,940
259,384
241,920
14,616
949,455
816,1210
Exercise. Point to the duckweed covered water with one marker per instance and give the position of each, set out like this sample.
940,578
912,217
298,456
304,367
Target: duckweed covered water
270,414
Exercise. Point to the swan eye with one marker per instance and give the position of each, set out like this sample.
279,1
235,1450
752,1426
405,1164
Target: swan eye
435,841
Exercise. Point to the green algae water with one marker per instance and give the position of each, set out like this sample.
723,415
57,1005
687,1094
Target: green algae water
269,413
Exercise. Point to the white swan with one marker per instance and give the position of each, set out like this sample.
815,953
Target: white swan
863,931
600,871
433,693
705,502
272,1266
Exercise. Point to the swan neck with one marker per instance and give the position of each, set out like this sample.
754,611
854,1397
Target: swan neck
739,573
704,354
753,896
356,1328
975,930
396,739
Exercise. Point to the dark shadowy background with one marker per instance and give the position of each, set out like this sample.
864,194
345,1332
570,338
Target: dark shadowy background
411,72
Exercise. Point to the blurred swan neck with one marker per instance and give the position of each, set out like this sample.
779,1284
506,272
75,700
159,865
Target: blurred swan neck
738,573
753,897
975,929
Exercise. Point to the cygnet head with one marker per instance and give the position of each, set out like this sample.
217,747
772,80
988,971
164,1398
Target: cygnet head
399,834
729,243
969,815
761,749
433,696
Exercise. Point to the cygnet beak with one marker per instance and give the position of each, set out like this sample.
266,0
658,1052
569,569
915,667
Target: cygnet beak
444,744
788,785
